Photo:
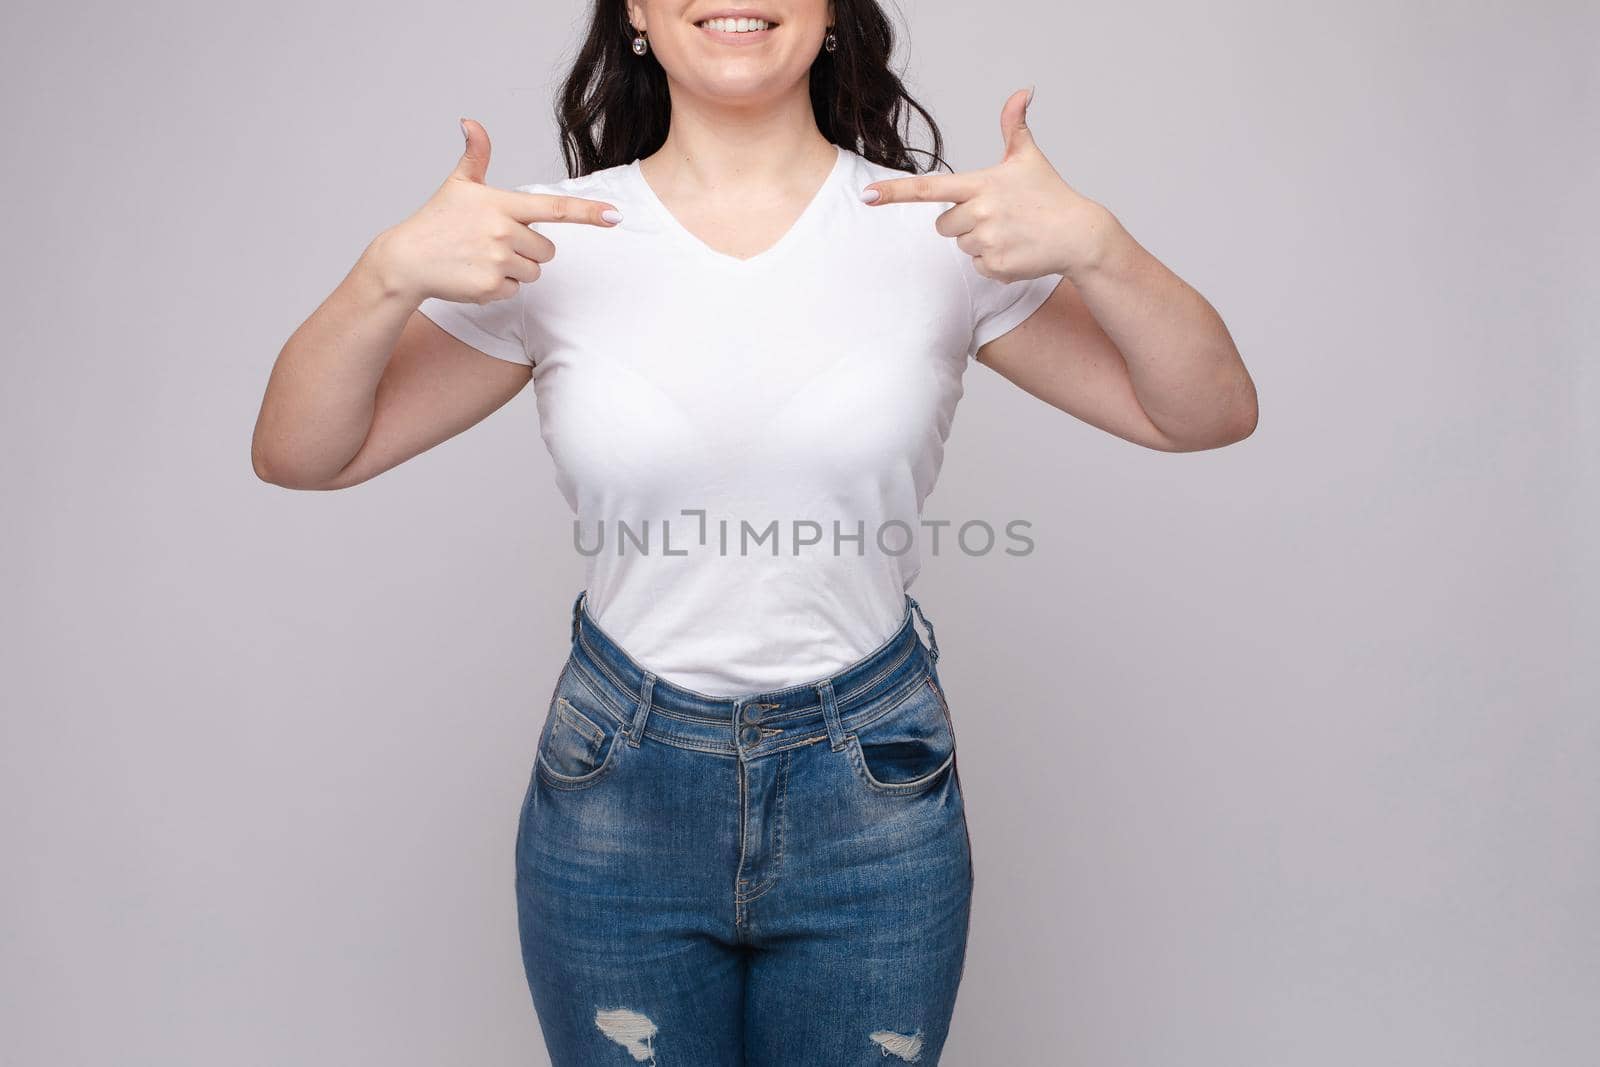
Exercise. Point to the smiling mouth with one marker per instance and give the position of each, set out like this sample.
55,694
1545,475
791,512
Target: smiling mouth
737,27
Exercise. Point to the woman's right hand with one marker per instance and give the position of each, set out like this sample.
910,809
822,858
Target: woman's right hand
470,243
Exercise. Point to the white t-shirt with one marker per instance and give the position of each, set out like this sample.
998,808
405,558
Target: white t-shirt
809,386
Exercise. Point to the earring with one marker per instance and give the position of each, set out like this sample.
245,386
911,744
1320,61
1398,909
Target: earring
830,43
640,45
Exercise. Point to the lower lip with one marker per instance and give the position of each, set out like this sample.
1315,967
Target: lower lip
747,38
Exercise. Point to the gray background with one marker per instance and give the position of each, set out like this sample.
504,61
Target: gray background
1283,753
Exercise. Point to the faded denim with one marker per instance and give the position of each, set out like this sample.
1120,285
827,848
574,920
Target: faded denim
780,879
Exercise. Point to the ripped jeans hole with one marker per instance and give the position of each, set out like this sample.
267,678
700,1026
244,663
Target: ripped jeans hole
906,1046
633,1031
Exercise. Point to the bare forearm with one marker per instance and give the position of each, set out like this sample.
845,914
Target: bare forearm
320,396
1185,368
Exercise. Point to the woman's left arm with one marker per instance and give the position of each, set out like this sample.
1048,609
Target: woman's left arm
1122,343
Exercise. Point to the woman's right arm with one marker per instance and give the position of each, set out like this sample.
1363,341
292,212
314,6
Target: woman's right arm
366,382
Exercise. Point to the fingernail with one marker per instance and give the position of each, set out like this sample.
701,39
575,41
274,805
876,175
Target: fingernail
611,215
464,135
1029,101
869,195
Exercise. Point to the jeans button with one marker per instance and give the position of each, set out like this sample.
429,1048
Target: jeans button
751,713
750,735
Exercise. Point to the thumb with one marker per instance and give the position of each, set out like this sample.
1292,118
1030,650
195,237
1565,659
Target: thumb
1014,124
474,163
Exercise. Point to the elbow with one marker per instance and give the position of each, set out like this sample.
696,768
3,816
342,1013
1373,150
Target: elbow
269,471
1245,425
262,466
274,476
1249,411
1231,434
1242,415
286,477
1238,424
276,462
261,463
261,459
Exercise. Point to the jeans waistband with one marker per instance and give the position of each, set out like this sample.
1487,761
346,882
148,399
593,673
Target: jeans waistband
754,723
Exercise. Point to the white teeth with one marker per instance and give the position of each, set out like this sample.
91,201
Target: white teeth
736,25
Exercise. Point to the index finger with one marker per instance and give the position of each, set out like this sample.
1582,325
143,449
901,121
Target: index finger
551,207
924,188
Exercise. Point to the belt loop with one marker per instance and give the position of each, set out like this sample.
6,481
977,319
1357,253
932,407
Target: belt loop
642,712
830,714
933,642
577,612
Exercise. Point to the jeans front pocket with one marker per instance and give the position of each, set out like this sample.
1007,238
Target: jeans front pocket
909,749
579,745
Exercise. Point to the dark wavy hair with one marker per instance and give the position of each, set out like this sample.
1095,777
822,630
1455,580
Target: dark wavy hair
614,106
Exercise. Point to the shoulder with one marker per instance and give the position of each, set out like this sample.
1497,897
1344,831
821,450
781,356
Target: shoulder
910,226
577,242
596,185
870,172
584,253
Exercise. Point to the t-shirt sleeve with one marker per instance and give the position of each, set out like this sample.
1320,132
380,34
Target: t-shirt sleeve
495,329
998,306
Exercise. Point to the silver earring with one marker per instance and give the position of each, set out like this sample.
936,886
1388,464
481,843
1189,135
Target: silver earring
640,45
830,43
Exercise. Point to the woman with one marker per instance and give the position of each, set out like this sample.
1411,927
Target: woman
743,839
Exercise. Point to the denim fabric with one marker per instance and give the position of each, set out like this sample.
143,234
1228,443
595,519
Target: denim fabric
772,880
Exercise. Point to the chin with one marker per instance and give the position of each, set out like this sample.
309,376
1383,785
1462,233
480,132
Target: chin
732,86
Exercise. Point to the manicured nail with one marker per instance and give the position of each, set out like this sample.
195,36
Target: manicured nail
1030,97
611,215
869,195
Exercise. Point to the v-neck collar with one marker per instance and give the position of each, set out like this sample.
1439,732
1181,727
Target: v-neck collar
800,224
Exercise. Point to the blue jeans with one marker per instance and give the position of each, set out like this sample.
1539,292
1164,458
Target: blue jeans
779,879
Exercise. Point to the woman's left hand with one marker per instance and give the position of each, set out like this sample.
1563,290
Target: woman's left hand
1017,219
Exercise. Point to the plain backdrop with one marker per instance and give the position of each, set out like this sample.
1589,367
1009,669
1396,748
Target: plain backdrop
1283,753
